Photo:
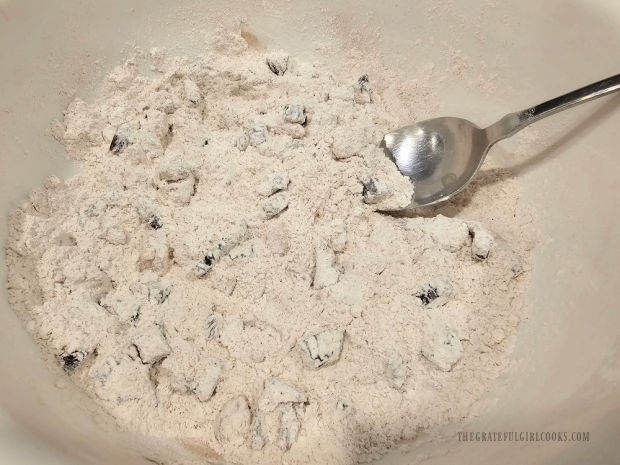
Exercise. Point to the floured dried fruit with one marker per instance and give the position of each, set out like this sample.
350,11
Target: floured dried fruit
322,348
277,64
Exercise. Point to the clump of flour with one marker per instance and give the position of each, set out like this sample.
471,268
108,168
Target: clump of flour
218,271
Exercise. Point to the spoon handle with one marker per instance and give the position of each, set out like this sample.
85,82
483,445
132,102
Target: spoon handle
514,122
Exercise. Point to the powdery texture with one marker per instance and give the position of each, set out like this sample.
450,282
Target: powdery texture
217,272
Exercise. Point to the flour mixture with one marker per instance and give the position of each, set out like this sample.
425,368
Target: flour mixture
220,270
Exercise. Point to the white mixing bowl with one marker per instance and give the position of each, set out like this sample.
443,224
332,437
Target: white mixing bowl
567,373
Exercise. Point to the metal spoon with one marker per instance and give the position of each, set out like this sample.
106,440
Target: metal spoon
442,155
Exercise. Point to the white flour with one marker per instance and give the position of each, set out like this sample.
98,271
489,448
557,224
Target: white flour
218,273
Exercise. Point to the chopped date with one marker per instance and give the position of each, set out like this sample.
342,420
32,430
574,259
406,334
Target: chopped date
374,191
363,82
213,326
436,292
361,91
482,242
369,187
427,295
155,223
295,113
119,144
278,64
157,292
322,348
71,361
442,346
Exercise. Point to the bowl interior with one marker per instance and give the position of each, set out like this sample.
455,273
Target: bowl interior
567,368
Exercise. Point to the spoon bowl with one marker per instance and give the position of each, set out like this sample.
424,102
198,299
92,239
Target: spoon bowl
442,155
439,155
